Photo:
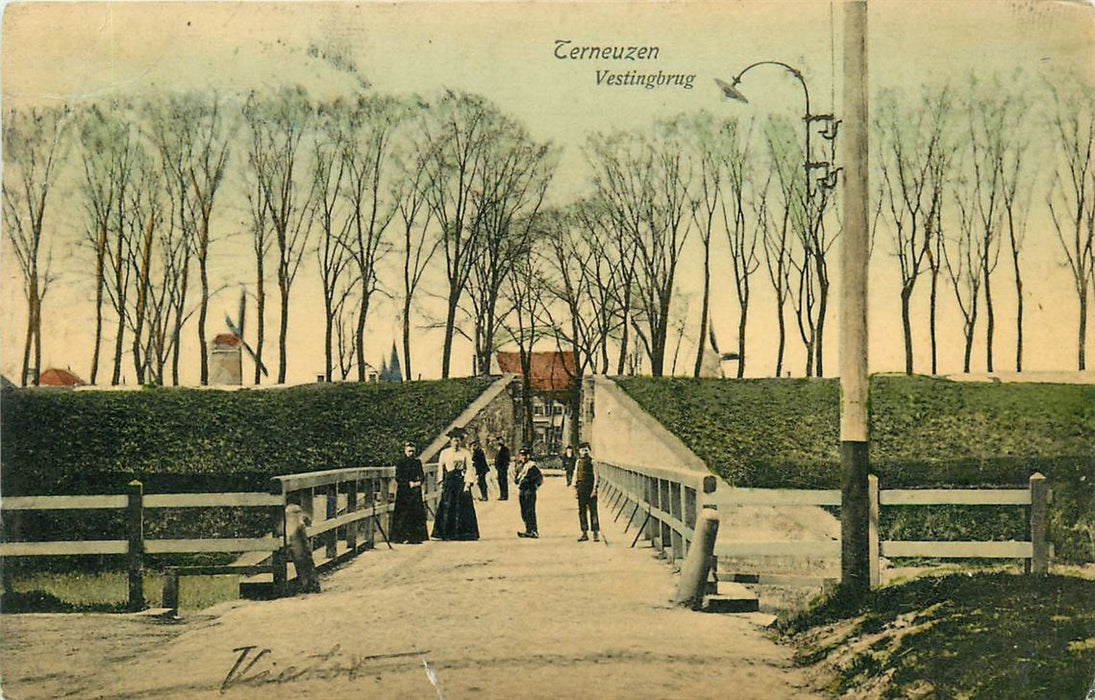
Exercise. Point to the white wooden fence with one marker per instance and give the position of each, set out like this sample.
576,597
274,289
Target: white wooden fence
1035,550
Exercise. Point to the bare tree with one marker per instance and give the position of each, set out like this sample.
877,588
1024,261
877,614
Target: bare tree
644,178
459,129
193,135
145,215
913,150
964,256
34,148
1071,198
611,277
993,116
278,125
513,180
777,238
262,240
332,249
702,135
526,294
370,170
742,236
415,217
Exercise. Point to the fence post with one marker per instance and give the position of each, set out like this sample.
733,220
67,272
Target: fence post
331,512
135,551
278,561
873,552
351,506
1039,501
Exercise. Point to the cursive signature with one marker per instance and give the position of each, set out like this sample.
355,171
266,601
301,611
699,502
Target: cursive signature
257,666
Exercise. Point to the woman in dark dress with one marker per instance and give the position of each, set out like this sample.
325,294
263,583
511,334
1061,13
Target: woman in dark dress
409,517
455,519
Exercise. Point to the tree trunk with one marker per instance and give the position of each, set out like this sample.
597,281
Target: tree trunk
450,324
99,282
202,310
823,304
702,345
28,339
1081,350
283,328
990,321
742,321
782,345
932,321
407,376
1018,314
260,320
328,333
906,326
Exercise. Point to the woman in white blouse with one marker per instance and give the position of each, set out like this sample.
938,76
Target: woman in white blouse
455,518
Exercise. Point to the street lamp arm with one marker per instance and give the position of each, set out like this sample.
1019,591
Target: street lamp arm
789,68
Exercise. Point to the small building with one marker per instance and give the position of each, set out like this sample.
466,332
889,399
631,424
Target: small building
226,360
59,377
551,379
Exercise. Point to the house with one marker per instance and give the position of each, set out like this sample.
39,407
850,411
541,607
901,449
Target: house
59,377
551,379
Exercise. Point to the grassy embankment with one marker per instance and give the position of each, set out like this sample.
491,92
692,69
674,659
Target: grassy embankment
983,635
968,636
924,433
187,440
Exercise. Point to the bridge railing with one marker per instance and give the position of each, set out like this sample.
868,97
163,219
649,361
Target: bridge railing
663,502
346,508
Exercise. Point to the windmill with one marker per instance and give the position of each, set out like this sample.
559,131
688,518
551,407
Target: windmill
237,330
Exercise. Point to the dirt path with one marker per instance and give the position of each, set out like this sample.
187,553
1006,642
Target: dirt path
499,618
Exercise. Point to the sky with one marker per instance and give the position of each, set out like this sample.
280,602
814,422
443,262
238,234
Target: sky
508,52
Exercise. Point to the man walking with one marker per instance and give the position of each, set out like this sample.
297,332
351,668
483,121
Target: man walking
501,465
479,461
568,463
528,478
585,487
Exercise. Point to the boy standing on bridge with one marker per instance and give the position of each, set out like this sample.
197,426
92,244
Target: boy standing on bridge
585,487
528,478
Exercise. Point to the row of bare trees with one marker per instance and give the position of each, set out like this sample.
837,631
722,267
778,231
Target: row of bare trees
456,186
960,171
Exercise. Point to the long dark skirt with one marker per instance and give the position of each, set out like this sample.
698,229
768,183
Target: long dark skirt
455,519
409,517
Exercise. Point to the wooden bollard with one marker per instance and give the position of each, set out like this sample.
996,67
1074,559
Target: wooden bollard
300,548
171,590
697,565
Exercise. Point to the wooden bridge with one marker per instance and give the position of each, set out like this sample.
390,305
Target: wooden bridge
502,617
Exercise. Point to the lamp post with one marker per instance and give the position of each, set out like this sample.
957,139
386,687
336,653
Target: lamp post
832,125
856,514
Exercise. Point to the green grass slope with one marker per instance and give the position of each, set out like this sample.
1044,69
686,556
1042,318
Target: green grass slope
188,439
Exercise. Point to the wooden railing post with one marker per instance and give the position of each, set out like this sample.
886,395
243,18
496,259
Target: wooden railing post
135,551
873,552
278,559
1039,505
351,506
331,500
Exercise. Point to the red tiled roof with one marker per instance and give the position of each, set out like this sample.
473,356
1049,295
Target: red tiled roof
550,371
226,340
59,377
